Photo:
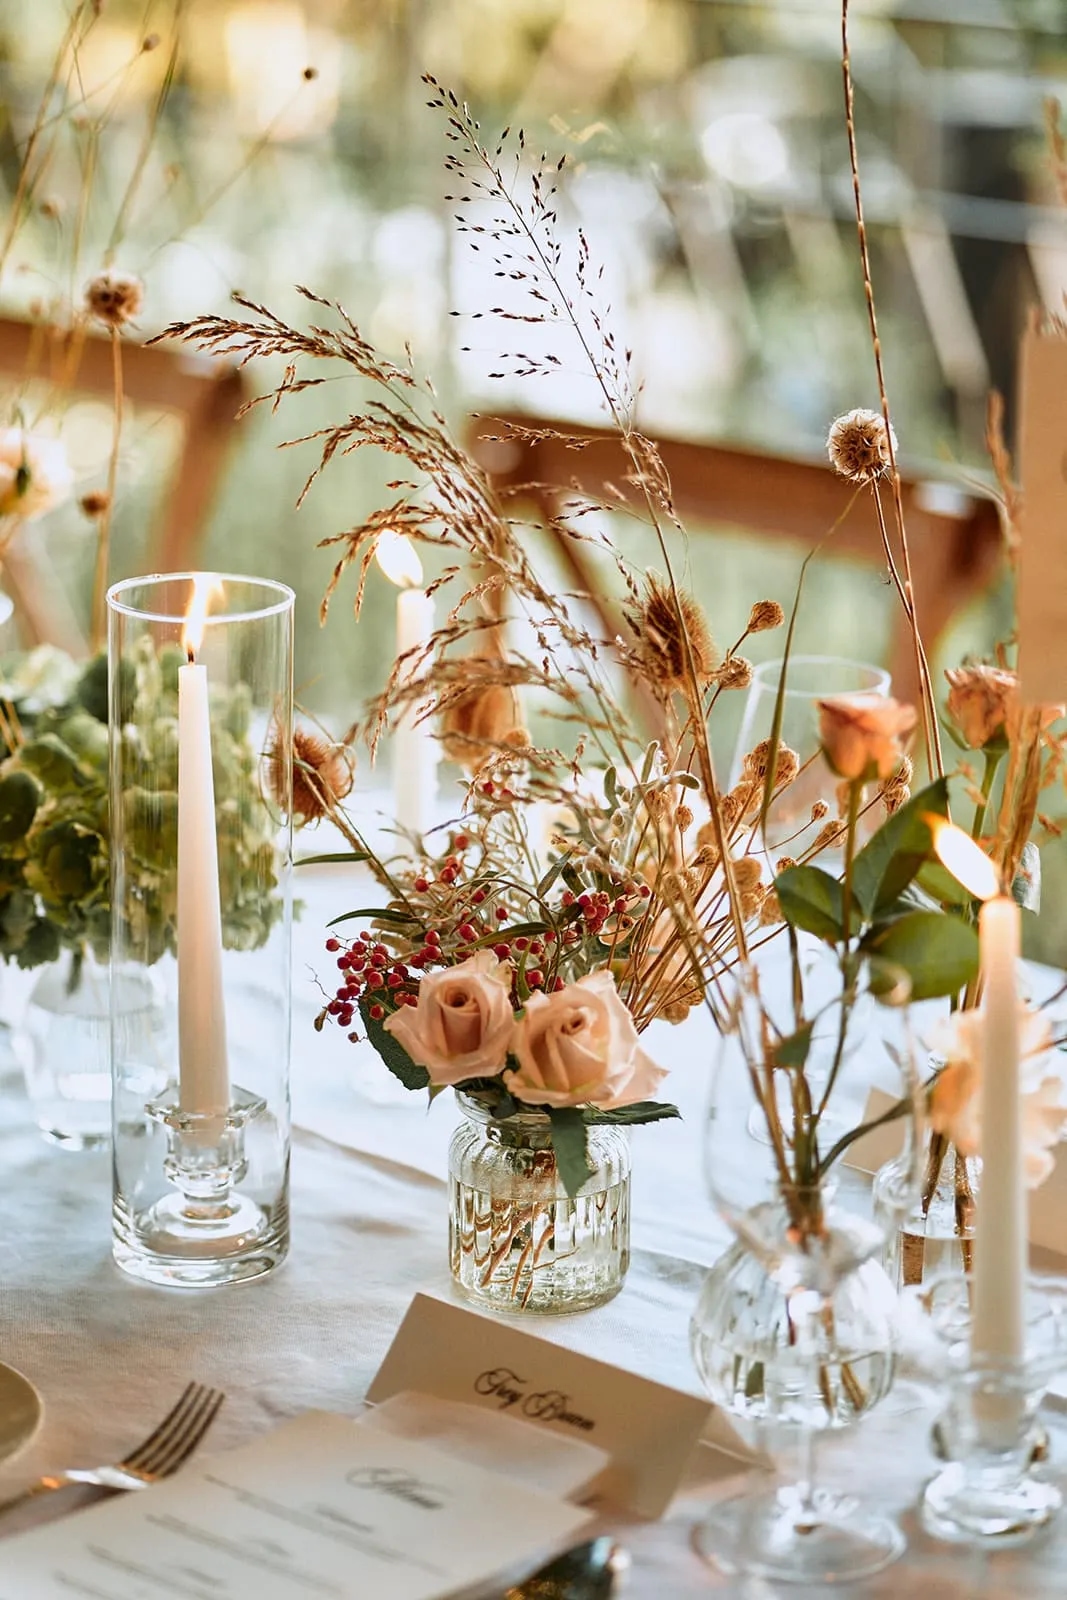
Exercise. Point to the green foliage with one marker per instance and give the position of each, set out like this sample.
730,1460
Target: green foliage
54,814
813,901
392,1052
893,857
571,1147
938,951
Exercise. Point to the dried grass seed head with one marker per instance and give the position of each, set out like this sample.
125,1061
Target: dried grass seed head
114,298
735,673
858,446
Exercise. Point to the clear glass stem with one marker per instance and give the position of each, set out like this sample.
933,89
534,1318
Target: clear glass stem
807,1478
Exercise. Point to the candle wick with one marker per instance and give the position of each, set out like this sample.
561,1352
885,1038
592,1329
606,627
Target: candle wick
191,653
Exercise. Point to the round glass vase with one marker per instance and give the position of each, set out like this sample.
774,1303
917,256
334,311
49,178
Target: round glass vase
200,767
517,1241
65,1043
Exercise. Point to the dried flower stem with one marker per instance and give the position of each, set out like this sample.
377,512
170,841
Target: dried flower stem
98,621
932,738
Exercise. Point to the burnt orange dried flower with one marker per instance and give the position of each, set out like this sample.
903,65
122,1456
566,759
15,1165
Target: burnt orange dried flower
765,614
322,774
114,297
858,446
478,721
663,625
94,503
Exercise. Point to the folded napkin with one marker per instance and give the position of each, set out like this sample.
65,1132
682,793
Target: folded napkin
538,1457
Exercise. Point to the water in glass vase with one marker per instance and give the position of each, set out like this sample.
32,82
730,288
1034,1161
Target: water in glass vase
517,1241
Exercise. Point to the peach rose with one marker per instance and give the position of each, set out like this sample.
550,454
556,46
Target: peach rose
861,734
955,1098
462,1024
978,701
35,474
580,1047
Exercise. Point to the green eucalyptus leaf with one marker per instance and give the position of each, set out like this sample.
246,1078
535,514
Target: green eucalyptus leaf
629,1116
896,853
1026,887
392,1052
19,799
792,1051
938,951
812,900
570,1143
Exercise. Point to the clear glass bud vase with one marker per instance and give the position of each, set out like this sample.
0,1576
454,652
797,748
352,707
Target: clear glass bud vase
936,1236
517,1241
200,726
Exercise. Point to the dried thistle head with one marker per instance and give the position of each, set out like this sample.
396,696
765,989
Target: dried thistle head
322,774
114,298
765,614
858,446
665,620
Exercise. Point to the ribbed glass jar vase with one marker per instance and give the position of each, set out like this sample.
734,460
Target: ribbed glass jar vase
517,1241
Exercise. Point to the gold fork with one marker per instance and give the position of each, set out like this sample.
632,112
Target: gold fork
166,1449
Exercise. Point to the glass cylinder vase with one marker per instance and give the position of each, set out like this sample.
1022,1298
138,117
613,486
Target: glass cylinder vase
200,683
936,1236
517,1240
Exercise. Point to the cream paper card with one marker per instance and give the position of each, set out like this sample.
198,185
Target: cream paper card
1042,589
1048,1202
648,1429
321,1509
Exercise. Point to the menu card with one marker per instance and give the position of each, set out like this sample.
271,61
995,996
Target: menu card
320,1508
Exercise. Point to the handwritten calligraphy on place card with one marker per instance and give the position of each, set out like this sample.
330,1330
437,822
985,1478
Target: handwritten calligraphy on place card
1042,589
648,1429
320,1508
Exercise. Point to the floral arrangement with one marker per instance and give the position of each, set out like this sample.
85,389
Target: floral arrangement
54,817
592,885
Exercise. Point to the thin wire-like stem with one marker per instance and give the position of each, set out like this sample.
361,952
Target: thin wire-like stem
934,758
98,630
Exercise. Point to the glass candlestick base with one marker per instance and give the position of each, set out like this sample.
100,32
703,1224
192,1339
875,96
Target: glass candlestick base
991,1493
205,1231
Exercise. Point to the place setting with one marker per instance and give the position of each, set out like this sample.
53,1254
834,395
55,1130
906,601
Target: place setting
735,1262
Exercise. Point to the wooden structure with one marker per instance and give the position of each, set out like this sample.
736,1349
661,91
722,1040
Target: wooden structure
204,392
954,535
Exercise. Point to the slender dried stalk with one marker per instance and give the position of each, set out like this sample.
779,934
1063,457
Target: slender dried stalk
98,634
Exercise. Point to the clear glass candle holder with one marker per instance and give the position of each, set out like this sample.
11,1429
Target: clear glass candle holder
200,683
992,1491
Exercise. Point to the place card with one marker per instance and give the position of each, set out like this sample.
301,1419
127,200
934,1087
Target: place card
1042,586
648,1429
322,1508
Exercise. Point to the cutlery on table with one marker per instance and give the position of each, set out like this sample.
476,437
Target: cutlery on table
588,1572
166,1449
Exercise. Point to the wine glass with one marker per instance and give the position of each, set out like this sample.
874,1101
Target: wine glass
809,679
796,1327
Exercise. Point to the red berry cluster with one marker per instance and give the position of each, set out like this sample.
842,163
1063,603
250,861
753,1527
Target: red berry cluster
463,920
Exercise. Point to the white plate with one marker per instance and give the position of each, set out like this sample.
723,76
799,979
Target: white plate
21,1409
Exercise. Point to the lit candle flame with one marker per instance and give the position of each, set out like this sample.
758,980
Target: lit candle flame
205,590
966,861
399,560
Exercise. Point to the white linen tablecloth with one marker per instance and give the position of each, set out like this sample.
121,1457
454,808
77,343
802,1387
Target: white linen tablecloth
369,1228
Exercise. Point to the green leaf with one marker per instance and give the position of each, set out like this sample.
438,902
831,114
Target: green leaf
393,1054
54,763
1026,888
938,951
399,919
939,882
323,861
811,899
629,1116
571,1147
19,799
792,1051
894,855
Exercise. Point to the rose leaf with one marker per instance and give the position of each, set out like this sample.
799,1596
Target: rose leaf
571,1147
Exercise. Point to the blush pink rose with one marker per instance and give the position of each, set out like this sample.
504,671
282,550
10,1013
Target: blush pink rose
462,1025
861,734
580,1047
